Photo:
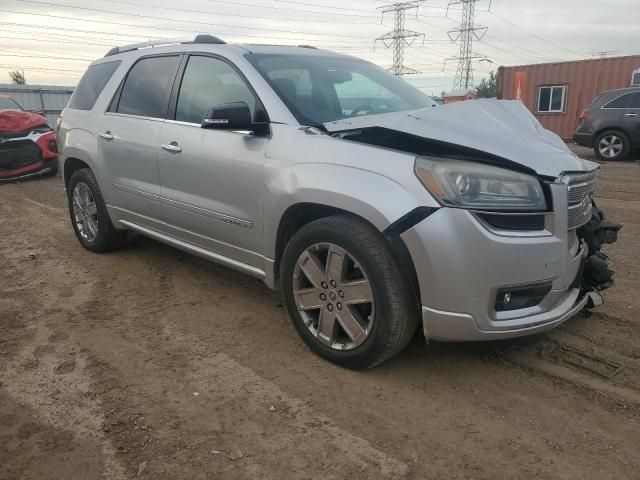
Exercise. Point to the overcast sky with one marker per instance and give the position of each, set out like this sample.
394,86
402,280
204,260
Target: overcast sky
54,40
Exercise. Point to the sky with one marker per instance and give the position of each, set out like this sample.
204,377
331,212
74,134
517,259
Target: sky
55,40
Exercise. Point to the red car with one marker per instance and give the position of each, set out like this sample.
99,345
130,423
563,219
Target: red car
28,145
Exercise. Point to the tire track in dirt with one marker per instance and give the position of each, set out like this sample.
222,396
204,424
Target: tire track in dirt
447,413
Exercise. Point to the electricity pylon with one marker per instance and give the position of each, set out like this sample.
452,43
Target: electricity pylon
465,34
399,37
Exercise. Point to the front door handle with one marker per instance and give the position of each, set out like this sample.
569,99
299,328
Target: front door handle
172,147
632,115
107,135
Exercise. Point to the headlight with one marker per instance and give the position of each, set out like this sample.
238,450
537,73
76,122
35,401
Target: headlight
457,183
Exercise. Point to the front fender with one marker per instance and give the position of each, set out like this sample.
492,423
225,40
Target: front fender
372,196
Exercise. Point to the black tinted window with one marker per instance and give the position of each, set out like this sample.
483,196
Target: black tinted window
91,85
208,82
620,102
635,101
146,89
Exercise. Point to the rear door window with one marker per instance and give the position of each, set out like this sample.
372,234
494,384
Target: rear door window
91,85
635,101
147,87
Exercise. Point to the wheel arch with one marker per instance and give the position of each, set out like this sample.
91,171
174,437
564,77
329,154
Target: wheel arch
300,214
602,130
72,165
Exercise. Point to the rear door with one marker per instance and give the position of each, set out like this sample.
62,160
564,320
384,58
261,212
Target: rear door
212,181
128,137
631,119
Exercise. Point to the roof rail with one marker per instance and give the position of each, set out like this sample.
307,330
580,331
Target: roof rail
202,38
308,46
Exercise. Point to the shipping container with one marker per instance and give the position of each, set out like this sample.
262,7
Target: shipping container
557,93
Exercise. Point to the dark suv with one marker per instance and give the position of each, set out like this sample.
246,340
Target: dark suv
611,124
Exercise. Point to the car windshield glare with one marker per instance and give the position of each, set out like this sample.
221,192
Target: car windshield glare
322,88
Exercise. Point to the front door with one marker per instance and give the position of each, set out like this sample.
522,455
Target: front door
212,181
128,137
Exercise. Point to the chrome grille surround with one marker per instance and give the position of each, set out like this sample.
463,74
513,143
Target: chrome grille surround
580,189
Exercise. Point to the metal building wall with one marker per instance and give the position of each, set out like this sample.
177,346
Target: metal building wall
584,79
49,99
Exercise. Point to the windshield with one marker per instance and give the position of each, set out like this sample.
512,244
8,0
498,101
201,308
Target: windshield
319,89
8,104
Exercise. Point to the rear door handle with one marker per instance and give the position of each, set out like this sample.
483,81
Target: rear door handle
631,115
107,135
172,147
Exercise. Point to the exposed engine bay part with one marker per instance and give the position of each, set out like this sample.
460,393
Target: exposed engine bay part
417,145
598,232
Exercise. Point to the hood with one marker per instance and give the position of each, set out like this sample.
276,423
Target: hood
15,121
501,128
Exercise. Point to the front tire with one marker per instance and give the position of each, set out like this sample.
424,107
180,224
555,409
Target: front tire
89,216
346,294
612,145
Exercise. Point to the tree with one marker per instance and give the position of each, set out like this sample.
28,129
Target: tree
17,77
488,87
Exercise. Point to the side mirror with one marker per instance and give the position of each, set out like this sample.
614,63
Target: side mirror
229,116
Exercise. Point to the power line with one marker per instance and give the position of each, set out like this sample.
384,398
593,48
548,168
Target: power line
241,15
464,35
48,57
41,38
399,37
164,19
533,34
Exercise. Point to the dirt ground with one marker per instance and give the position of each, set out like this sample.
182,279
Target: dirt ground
153,363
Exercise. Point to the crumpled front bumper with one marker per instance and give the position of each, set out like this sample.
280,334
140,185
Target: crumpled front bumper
461,264
28,155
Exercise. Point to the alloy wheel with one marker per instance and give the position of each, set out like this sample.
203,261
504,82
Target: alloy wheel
85,212
333,296
610,146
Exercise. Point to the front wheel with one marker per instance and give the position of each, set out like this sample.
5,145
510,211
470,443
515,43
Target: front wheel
346,294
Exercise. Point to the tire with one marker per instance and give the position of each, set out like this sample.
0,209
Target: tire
619,146
106,237
389,320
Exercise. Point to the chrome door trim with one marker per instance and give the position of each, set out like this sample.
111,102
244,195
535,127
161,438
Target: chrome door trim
135,191
214,215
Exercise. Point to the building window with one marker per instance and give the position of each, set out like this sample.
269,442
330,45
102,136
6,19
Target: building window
552,98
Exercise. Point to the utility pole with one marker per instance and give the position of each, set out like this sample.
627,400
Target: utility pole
465,35
399,37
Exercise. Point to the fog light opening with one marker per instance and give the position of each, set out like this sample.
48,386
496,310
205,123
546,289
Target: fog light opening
517,298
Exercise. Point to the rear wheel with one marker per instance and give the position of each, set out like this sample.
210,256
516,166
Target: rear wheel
612,145
89,215
345,293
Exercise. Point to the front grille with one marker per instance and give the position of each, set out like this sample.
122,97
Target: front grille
19,154
580,190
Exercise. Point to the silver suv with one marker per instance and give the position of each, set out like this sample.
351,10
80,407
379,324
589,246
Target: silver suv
369,207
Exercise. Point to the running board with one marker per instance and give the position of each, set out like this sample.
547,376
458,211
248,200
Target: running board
195,250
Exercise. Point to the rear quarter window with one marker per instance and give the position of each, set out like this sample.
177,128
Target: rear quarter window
619,102
91,85
146,89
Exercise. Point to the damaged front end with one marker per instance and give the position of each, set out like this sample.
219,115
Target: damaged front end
596,275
